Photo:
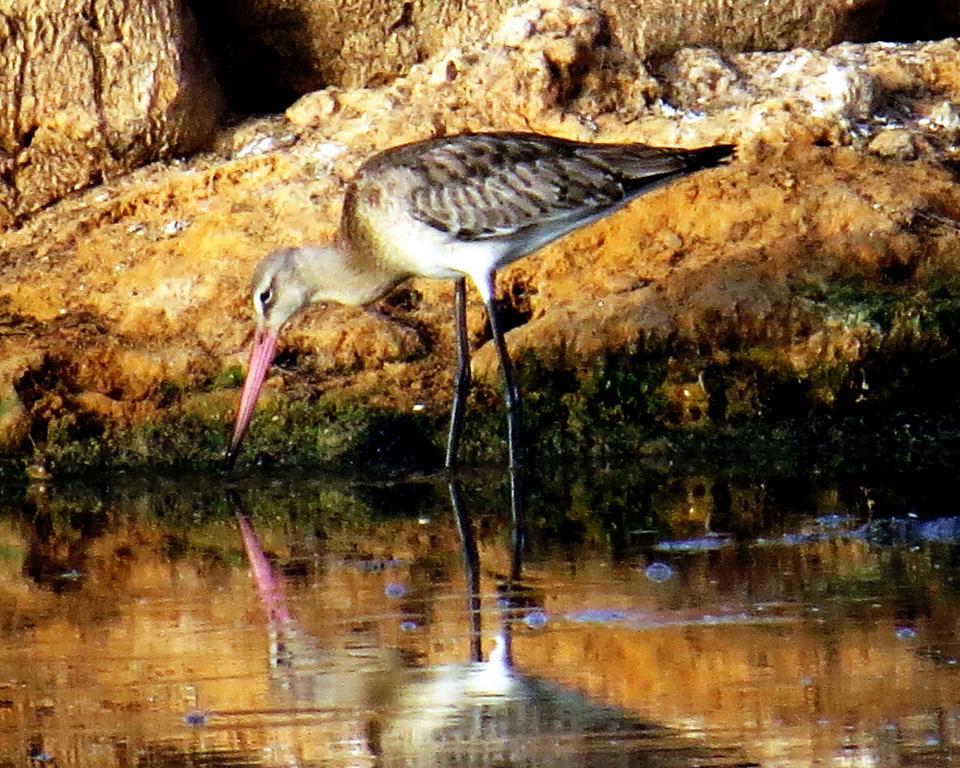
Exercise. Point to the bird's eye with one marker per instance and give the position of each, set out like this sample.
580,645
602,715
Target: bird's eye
266,296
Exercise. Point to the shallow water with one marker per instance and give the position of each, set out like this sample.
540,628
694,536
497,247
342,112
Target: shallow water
616,620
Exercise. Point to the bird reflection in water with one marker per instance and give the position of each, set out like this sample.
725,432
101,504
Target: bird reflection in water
483,710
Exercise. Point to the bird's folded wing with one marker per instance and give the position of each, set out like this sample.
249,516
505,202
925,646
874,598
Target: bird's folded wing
501,186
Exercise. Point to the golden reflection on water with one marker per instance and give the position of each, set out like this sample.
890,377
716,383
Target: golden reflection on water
132,634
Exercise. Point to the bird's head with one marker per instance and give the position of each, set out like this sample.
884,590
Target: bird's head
283,285
279,288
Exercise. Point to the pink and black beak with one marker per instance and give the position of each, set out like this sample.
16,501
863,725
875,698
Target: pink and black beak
261,356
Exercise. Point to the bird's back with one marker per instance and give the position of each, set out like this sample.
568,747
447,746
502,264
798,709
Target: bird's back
507,194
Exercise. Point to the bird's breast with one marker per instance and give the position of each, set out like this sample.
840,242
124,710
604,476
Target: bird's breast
379,220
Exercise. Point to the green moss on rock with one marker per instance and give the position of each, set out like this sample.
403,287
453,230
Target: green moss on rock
857,360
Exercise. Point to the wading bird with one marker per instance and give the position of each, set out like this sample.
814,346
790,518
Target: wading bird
455,207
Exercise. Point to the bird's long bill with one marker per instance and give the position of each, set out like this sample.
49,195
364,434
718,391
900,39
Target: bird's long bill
261,355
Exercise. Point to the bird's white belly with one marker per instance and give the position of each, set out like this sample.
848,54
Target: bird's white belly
422,250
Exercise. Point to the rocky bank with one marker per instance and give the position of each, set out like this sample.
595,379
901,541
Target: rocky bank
804,298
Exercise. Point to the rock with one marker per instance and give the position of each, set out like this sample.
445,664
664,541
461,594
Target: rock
658,28
792,281
93,90
895,143
14,422
272,51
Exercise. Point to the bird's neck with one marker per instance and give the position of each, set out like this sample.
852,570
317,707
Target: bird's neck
350,277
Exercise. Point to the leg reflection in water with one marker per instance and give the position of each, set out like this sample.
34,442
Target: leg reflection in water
367,696
471,565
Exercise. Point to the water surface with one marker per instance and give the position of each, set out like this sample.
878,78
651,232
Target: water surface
625,619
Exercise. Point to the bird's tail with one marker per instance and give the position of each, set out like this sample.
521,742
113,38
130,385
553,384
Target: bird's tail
707,157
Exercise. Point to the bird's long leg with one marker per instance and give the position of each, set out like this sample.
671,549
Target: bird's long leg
462,382
511,392
471,567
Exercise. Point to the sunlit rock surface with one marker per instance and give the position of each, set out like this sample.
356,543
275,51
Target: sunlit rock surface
269,49
91,90
816,274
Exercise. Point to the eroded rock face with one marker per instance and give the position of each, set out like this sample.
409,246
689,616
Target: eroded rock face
93,89
655,28
271,51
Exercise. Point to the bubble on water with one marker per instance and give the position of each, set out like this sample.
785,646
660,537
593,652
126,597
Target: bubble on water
596,616
195,718
395,590
536,618
944,530
832,521
658,572
905,633
376,565
703,544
